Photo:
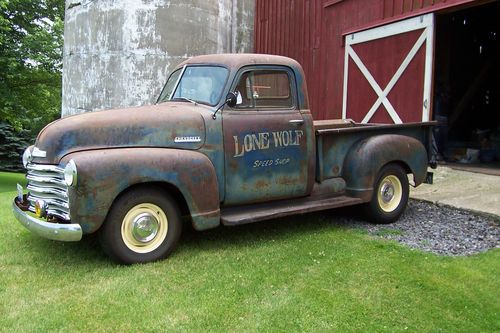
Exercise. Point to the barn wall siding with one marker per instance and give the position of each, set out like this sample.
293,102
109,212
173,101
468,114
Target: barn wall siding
311,31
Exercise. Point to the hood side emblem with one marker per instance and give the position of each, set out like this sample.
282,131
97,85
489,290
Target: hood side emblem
187,139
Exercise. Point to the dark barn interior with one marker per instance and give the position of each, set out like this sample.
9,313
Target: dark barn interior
467,85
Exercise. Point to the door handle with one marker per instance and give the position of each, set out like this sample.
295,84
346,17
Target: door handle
298,122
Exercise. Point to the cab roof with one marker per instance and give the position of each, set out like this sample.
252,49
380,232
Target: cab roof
238,60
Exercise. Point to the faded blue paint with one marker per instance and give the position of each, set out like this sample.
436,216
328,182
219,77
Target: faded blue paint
150,126
190,172
367,157
336,145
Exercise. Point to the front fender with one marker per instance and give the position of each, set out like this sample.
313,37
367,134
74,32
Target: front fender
367,157
104,174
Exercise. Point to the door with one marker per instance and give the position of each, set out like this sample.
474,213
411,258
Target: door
265,141
388,72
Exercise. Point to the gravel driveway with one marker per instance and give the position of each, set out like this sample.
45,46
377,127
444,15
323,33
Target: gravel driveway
439,229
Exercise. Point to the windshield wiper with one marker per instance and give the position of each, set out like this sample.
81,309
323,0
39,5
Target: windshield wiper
185,99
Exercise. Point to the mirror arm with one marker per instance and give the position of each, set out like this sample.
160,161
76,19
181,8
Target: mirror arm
230,98
214,116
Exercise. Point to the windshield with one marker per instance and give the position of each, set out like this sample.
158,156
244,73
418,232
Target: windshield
201,84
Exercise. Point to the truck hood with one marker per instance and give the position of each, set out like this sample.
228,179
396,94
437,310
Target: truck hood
169,125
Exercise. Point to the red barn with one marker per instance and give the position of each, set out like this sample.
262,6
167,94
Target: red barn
393,61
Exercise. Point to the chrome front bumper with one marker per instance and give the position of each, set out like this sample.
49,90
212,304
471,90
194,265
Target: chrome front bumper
55,231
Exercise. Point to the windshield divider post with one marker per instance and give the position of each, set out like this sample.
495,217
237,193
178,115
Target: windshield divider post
177,83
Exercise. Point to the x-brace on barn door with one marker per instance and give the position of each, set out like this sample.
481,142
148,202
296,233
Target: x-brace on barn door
388,72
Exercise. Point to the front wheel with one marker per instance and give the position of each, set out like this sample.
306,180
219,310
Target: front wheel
390,196
143,225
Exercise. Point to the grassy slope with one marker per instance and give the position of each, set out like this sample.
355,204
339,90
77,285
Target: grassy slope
300,274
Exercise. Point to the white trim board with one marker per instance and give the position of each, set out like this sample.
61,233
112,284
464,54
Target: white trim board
392,29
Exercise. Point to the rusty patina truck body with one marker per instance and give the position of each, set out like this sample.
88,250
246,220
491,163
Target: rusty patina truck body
230,141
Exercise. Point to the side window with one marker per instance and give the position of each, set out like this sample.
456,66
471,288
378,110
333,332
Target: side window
264,89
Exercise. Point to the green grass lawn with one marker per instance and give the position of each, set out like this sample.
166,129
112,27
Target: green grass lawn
301,274
8,181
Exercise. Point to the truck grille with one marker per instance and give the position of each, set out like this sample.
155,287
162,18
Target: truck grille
46,182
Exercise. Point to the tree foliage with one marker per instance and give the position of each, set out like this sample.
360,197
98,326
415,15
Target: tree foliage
31,42
13,144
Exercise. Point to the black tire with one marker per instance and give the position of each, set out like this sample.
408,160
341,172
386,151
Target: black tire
143,225
390,195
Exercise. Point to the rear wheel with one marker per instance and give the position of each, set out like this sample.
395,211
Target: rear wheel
390,195
143,225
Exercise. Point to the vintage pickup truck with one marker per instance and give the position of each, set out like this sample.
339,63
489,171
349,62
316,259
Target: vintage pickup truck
231,140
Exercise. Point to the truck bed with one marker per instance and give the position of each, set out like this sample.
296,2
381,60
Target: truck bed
333,124
335,138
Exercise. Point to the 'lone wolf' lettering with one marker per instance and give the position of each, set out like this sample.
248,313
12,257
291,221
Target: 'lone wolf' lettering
262,141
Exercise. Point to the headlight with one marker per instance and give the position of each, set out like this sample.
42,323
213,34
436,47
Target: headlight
70,174
26,157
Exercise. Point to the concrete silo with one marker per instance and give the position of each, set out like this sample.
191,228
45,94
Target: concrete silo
117,53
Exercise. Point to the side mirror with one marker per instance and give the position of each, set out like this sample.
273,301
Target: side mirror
231,99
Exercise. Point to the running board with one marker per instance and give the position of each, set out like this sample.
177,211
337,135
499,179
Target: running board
270,210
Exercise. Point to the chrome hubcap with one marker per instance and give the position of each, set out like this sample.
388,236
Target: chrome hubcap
145,227
387,192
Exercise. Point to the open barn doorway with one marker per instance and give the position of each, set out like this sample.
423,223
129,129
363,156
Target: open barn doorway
467,85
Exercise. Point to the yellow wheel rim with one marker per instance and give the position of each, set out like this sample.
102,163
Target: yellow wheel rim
144,228
389,193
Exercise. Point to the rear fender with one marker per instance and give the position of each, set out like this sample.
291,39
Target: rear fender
104,174
367,157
